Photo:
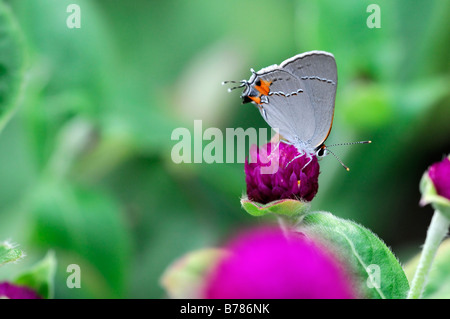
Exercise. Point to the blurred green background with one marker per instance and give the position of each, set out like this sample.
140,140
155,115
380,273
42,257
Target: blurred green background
87,116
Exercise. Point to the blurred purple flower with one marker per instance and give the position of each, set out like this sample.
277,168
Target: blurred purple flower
263,264
439,174
289,181
11,291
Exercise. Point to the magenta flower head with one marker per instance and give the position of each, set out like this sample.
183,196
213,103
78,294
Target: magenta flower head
439,174
435,186
11,291
264,264
293,177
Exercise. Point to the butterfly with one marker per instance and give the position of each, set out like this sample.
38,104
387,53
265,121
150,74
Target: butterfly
297,99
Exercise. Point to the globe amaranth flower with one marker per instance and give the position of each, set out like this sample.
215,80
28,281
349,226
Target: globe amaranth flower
435,186
439,174
292,179
264,264
11,291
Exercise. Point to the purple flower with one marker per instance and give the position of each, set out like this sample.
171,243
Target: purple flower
264,264
11,291
295,181
439,174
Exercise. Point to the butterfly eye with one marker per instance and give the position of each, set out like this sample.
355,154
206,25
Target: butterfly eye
258,83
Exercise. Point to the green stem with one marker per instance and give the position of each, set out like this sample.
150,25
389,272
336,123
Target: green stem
286,224
435,234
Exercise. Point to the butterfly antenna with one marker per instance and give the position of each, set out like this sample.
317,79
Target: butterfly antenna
243,83
350,143
339,160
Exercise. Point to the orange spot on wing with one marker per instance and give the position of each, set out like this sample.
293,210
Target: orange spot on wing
255,99
264,88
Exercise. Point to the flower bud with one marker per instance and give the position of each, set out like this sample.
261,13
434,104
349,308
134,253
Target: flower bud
435,186
184,278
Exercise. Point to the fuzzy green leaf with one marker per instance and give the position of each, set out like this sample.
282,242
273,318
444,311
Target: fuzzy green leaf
70,218
8,253
376,271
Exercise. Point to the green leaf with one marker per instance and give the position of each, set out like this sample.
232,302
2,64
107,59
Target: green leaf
438,285
41,277
9,254
186,276
87,224
363,251
12,62
285,207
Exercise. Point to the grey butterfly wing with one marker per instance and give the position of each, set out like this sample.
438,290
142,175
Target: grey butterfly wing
287,106
317,73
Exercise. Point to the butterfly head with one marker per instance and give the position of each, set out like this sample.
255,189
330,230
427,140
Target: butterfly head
250,93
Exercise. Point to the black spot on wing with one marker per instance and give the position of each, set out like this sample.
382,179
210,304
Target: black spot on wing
314,77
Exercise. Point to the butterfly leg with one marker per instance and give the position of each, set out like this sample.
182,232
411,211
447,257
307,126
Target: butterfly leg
309,156
310,160
276,148
264,113
298,156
